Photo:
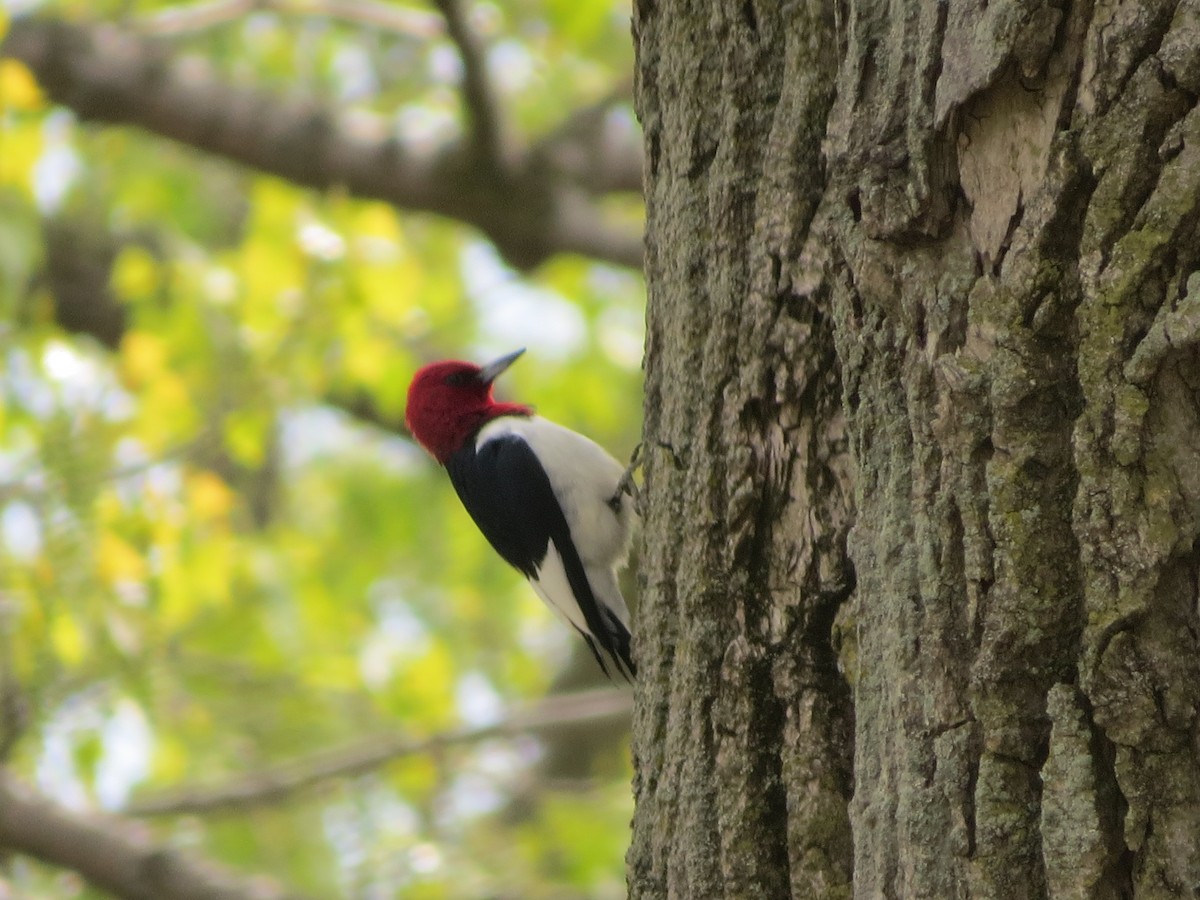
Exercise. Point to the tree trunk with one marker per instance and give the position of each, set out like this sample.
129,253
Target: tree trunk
920,556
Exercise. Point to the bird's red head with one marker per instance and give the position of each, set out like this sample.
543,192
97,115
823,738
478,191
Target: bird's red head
449,401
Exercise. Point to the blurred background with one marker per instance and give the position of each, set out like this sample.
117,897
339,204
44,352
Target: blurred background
237,604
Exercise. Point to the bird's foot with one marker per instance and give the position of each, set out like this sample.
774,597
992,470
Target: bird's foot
627,485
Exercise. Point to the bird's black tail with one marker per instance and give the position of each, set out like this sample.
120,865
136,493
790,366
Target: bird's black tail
614,646
618,645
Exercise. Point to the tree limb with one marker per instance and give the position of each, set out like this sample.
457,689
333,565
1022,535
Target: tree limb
597,147
555,711
195,17
487,123
107,75
198,17
115,856
362,406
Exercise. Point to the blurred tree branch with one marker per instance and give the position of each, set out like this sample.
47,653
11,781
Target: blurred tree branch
531,213
593,148
369,13
487,121
605,705
362,406
113,855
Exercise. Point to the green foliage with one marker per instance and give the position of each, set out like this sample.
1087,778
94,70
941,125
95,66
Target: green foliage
211,566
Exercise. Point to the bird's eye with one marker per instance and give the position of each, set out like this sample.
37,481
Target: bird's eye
458,379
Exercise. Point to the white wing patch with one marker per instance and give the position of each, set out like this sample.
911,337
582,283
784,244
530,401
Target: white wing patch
552,586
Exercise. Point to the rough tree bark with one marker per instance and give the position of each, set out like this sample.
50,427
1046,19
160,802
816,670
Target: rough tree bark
922,392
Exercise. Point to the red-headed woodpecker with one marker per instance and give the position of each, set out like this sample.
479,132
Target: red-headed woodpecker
547,499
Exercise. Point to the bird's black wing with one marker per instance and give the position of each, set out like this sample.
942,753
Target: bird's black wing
507,492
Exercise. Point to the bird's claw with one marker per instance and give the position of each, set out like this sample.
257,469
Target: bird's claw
626,485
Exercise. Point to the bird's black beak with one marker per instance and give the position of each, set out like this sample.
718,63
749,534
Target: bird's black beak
492,370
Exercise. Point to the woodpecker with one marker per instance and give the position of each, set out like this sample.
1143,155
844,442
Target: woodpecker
550,501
